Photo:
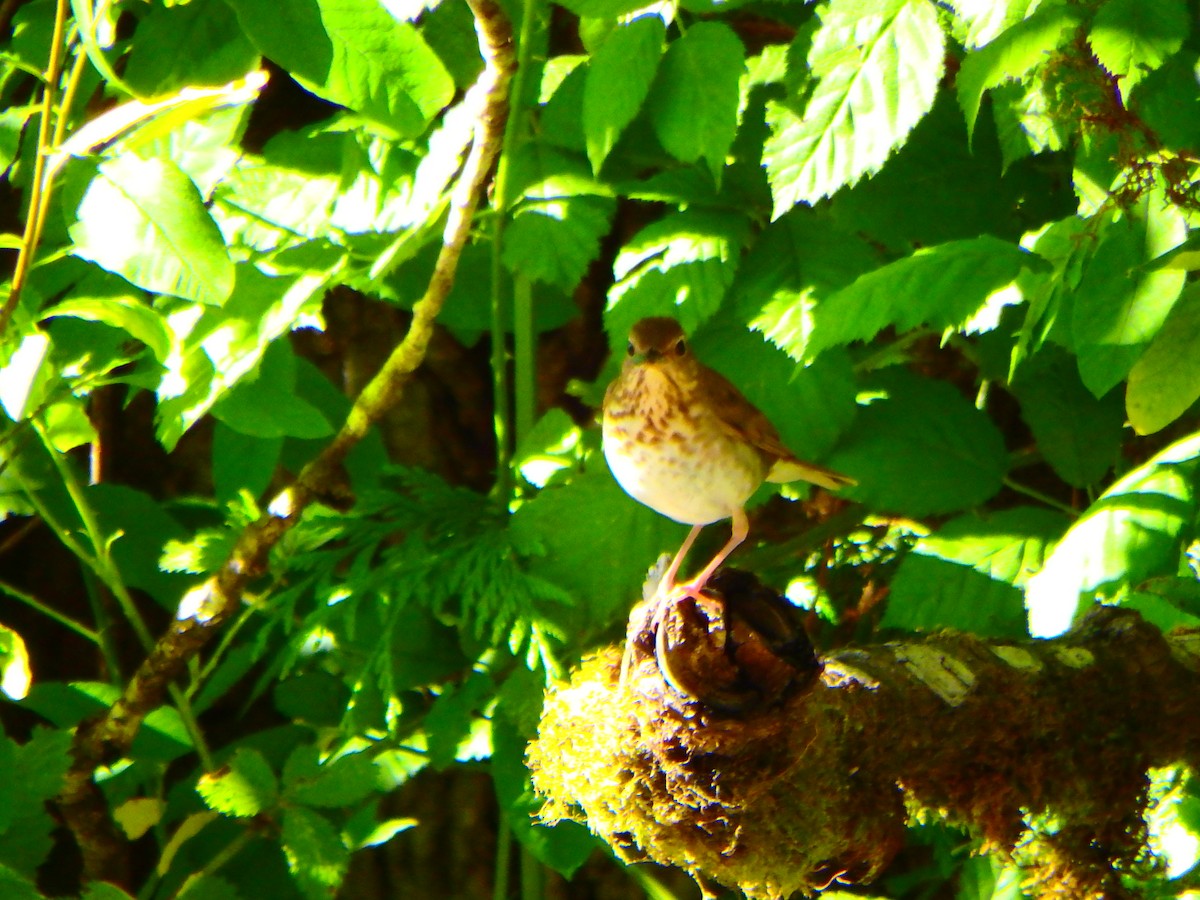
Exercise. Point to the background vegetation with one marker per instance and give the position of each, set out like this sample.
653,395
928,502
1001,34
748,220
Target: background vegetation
945,246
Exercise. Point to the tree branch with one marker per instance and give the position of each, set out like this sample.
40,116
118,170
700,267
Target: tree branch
207,609
1039,748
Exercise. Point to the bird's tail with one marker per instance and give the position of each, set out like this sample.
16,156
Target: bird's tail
785,470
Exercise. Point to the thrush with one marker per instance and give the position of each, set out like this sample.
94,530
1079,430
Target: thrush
680,438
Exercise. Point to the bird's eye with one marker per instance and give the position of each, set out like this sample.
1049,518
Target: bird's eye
680,347
629,349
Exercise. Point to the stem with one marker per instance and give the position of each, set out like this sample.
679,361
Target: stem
502,200
39,191
503,855
525,353
106,570
222,856
1040,497
34,603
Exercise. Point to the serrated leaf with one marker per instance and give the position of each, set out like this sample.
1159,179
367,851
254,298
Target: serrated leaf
1079,435
619,76
943,287
315,853
1165,381
1122,302
680,265
144,220
1132,37
693,104
1134,531
1012,55
449,724
245,786
968,574
798,260
980,21
877,68
922,450
554,241
354,53
137,318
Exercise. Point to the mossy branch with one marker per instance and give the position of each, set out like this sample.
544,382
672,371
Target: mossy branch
209,607
1040,749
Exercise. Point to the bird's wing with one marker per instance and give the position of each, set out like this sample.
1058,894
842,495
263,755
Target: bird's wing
742,419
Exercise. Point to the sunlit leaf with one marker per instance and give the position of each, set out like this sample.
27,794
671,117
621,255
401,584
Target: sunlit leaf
618,80
1165,381
144,220
1133,532
876,68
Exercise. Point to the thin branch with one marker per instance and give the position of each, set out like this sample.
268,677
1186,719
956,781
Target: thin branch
39,187
209,607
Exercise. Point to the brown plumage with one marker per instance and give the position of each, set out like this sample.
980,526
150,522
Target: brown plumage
680,438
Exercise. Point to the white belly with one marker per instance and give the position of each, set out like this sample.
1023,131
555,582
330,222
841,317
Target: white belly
696,481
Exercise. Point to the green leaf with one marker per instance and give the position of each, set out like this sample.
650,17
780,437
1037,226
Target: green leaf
354,53
941,286
196,44
128,313
1165,381
969,573
1133,37
619,76
1121,303
16,886
343,781
15,675
693,104
922,449
102,890
137,528
316,856
450,724
1133,532
1012,55
1079,436
316,698
144,220
35,773
161,738
680,265
595,542
245,786
799,259
877,68
557,227
980,21
263,409
242,463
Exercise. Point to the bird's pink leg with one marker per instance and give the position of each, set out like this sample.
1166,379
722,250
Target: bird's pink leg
667,584
740,528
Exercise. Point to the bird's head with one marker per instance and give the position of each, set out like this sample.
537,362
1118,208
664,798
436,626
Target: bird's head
658,339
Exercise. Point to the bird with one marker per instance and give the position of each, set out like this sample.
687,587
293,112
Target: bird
681,439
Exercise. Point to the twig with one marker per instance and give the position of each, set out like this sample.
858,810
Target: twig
80,802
